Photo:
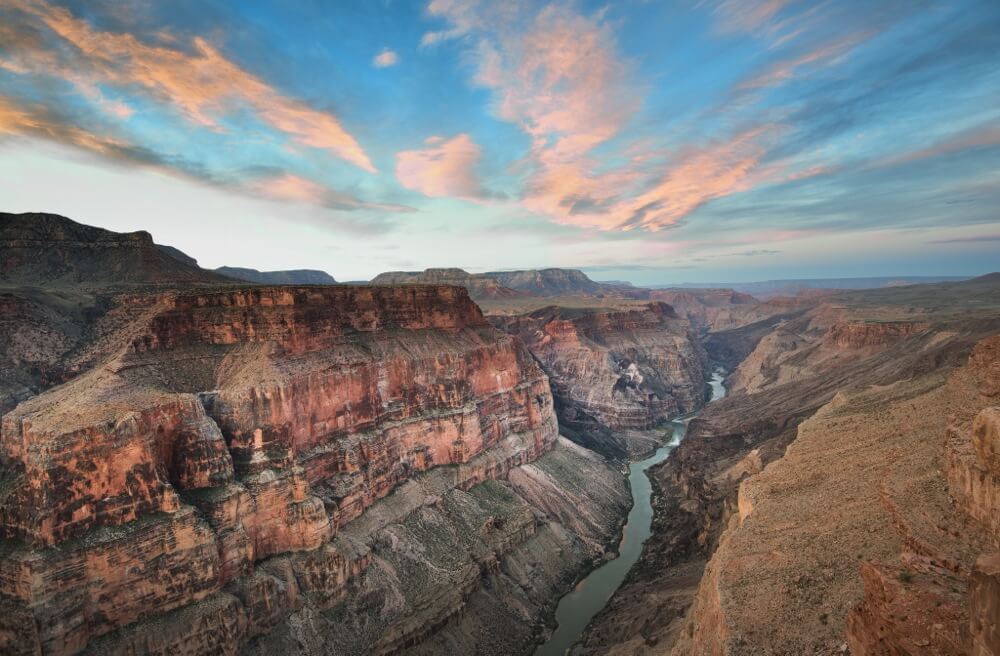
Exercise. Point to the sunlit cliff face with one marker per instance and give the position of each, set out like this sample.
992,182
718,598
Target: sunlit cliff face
648,142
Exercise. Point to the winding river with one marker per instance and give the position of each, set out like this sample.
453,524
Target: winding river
578,607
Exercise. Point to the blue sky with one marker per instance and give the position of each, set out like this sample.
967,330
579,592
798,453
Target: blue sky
723,140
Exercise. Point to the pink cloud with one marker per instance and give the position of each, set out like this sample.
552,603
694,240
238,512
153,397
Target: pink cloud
385,59
446,167
203,85
748,15
826,55
295,188
17,119
556,74
979,136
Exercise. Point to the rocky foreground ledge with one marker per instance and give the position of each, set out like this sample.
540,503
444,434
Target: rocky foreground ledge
254,465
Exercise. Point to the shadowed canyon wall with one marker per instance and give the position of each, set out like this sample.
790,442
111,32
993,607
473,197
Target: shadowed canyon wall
232,464
614,371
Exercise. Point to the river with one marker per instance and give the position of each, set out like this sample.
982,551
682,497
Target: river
578,607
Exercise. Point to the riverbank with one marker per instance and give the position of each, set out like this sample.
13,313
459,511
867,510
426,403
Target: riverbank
578,607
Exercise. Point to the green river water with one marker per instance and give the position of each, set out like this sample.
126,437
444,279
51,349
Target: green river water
579,606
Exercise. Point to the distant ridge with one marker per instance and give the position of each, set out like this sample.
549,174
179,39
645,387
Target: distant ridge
289,277
38,248
512,284
178,254
480,285
766,288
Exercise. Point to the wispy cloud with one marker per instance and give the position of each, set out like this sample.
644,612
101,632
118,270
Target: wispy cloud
825,55
200,82
18,119
290,187
559,75
750,16
967,240
979,136
445,167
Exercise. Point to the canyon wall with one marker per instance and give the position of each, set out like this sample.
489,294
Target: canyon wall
615,371
233,463
704,487
890,568
50,249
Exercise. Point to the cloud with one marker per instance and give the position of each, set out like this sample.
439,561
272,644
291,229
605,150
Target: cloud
749,16
967,240
558,74
385,59
446,167
18,119
980,136
825,55
199,82
39,122
289,187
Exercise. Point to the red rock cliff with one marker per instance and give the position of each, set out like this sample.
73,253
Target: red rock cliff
616,370
235,426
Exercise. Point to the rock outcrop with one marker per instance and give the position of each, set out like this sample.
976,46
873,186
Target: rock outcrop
615,371
498,285
784,556
713,309
555,282
225,469
48,249
289,277
481,286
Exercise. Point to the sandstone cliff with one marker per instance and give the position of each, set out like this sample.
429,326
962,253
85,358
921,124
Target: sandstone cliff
528,283
713,309
791,569
480,286
289,277
558,282
615,371
48,249
737,437
225,469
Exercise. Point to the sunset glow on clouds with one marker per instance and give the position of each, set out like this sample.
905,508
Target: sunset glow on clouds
661,137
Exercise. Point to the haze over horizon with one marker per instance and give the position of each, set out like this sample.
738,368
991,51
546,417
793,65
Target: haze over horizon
717,140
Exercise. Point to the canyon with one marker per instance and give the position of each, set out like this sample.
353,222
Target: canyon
761,545
615,374
427,463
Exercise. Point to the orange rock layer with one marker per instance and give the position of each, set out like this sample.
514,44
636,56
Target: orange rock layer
240,425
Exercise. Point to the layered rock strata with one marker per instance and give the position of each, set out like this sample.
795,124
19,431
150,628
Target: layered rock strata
696,490
48,249
188,493
461,570
615,371
481,286
886,570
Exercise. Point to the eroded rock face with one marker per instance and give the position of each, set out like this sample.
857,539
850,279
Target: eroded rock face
238,426
986,438
49,249
784,531
861,334
785,575
458,570
984,606
480,285
615,370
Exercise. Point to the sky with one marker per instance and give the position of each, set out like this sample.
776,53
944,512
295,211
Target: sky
655,142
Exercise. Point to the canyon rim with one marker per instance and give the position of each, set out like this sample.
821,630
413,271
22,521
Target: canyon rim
476,327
